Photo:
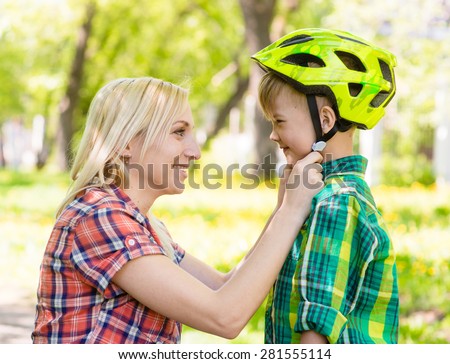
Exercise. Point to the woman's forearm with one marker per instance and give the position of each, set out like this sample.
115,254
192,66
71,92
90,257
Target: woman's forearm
246,289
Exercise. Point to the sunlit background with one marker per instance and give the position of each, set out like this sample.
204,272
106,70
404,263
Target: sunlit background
55,54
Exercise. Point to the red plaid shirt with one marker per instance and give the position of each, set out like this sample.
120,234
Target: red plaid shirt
95,236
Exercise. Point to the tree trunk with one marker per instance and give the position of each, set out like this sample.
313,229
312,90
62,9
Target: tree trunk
280,21
70,100
258,15
220,121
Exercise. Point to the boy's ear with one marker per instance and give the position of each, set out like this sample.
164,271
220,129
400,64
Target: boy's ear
327,118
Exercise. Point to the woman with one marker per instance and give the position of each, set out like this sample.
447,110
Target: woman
110,274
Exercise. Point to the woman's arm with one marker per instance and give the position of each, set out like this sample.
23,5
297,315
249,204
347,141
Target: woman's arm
203,272
281,191
212,277
171,291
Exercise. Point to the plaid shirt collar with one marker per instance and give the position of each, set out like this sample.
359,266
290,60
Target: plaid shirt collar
354,164
122,196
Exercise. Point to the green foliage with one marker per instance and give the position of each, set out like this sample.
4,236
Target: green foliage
189,44
429,276
406,169
425,293
407,155
193,40
10,78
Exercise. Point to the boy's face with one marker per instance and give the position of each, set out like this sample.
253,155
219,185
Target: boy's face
292,127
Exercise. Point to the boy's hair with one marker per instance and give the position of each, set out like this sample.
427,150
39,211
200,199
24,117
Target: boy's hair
270,86
356,76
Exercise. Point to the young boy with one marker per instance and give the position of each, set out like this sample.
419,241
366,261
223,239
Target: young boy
339,282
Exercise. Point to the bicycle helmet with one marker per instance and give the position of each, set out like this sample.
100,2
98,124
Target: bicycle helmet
357,76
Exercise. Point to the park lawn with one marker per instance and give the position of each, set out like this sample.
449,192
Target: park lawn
219,226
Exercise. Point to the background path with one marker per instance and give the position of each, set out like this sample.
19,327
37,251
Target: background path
16,315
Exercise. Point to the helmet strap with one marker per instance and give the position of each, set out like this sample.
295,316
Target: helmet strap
321,139
314,112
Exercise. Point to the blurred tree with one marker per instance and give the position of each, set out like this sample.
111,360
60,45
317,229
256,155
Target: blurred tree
70,99
38,35
258,16
189,45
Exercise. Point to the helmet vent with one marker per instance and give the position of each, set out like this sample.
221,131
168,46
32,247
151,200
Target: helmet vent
304,60
385,70
379,99
302,38
351,61
354,89
351,39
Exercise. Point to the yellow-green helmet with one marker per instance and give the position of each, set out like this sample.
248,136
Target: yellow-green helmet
357,76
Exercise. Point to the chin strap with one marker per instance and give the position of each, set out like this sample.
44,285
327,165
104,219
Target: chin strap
321,139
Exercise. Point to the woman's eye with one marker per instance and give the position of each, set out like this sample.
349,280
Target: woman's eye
180,132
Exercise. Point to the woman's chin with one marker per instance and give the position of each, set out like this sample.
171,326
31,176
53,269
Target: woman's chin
177,188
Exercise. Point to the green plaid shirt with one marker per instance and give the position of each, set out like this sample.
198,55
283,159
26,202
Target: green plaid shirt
340,278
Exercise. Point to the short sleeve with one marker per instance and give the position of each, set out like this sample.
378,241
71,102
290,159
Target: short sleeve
333,265
179,253
104,241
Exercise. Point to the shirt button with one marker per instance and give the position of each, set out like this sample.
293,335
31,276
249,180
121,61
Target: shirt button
131,242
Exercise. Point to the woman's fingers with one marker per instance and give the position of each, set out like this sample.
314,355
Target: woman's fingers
307,172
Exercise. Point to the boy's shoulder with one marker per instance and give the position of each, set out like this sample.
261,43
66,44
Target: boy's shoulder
338,191
345,176
345,186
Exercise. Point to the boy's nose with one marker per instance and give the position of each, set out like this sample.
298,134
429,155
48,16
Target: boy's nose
274,136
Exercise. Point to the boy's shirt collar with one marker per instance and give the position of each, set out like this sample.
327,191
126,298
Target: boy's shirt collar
354,164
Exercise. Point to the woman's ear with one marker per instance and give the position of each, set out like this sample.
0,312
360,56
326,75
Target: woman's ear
126,152
125,155
327,118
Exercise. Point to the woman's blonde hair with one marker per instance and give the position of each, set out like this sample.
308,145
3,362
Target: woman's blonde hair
122,110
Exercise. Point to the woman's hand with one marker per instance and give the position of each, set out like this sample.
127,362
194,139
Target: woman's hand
282,187
301,182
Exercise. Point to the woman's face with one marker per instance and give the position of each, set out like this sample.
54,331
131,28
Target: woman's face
165,168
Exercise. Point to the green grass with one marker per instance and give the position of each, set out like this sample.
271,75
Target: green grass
220,225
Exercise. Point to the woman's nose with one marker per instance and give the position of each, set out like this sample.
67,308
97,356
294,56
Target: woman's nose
193,150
